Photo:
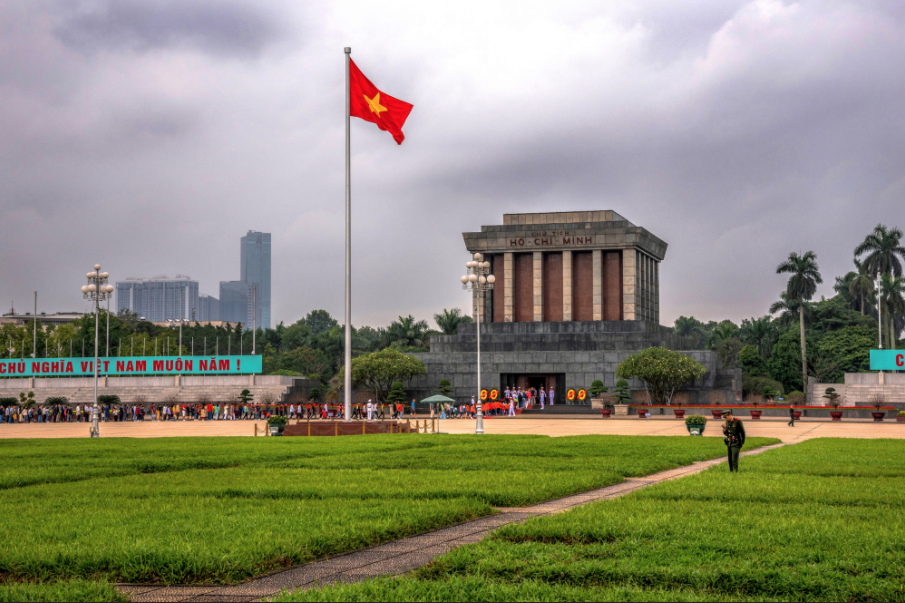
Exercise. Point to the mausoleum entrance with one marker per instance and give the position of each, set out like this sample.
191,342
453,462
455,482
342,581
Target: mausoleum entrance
534,380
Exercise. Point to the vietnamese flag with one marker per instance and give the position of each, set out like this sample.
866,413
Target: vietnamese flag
370,104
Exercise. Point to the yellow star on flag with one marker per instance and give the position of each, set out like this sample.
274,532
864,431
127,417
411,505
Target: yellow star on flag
374,104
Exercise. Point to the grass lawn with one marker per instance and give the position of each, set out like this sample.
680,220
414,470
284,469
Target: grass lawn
207,510
821,520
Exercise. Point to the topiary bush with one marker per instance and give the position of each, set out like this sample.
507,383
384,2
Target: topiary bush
597,388
622,392
445,388
108,399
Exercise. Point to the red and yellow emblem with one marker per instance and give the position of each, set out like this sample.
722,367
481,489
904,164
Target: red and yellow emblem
570,395
582,394
483,394
494,394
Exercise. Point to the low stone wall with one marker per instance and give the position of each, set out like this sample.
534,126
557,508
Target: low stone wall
813,412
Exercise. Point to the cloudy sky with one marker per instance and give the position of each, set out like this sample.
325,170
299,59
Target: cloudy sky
150,136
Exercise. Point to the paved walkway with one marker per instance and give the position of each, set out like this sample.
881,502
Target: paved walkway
666,426
401,556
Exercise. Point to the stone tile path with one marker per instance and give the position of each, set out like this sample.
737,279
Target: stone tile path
401,556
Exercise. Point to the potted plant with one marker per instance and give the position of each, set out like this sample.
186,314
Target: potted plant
623,397
900,418
877,402
832,398
277,424
695,424
679,412
717,413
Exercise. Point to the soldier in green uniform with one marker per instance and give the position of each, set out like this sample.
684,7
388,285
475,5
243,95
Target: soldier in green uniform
735,438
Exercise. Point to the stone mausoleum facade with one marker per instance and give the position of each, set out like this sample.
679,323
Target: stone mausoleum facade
575,294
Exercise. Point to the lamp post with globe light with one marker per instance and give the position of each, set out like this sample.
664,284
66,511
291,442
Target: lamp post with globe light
97,290
478,280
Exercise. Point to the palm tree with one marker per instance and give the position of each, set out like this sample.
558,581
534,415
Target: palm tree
883,251
802,286
450,320
723,331
860,284
759,332
892,296
408,332
788,309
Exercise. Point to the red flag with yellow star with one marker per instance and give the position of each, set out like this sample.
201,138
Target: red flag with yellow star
370,104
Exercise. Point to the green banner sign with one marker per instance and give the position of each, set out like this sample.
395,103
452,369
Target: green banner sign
887,360
135,365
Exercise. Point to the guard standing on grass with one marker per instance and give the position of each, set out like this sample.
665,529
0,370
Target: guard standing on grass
735,438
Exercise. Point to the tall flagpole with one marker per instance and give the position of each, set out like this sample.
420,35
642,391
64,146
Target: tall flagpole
347,385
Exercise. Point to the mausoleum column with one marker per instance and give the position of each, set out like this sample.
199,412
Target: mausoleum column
567,285
628,284
538,286
508,302
597,284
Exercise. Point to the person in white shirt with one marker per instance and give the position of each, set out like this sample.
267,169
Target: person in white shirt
370,409
542,395
551,395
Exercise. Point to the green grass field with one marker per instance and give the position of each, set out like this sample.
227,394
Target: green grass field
818,521
211,510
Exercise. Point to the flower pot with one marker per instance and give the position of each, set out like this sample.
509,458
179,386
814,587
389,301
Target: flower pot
797,414
605,413
679,412
878,416
755,414
717,413
900,419
696,429
836,415
642,413
275,430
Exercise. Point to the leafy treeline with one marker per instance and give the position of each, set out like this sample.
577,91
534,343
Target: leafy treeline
312,346
822,339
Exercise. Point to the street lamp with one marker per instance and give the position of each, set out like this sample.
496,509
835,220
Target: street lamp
97,290
478,280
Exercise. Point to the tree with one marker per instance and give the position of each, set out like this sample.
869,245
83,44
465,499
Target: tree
314,394
721,332
407,332
597,388
622,392
378,370
883,251
892,297
662,371
727,351
802,286
784,358
752,362
860,285
445,388
320,321
397,393
760,333
245,396
449,321
789,309
849,348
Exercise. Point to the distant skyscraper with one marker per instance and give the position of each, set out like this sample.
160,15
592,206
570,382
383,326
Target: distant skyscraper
255,258
209,307
236,303
158,299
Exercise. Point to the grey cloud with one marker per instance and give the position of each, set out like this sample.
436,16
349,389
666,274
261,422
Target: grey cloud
225,28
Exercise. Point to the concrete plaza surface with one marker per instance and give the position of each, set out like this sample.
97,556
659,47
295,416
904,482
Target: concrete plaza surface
770,428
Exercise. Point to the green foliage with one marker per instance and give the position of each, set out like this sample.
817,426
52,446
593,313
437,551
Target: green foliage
597,388
64,590
307,498
397,393
756,385
882,249
377,371
408,333
832,398
662,371
785,360
8,401
314,394
752,363
622,392
760,333
723,331
52,400
849,348
695,420
691,327
108,399
445,388
449,320
727,351
278,421
245,396
27,401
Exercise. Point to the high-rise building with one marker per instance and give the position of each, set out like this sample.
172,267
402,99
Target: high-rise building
255,268
158,299
209,307
237,300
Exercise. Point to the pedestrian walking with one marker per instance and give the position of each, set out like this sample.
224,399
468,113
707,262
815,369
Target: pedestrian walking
735,438
791,415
